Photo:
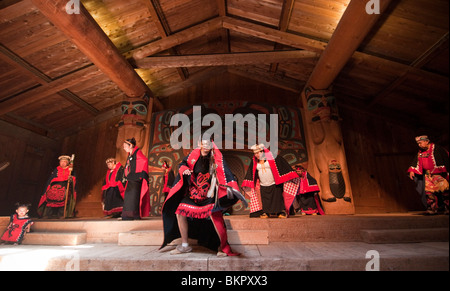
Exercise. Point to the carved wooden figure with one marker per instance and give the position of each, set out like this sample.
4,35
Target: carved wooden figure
132,124
327,152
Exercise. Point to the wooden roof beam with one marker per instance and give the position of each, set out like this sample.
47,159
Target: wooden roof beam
229,59
175,39
351,30
274,35
90,39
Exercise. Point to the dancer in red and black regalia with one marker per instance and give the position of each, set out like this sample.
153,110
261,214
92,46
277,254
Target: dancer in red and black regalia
271,184
113,189
193,208
62,182
19,225
308,193
429,170
136,202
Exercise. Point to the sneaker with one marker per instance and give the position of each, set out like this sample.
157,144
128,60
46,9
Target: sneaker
181,250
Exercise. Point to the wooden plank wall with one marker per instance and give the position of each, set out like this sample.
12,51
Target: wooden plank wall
32,158
91,146
378,151
378,155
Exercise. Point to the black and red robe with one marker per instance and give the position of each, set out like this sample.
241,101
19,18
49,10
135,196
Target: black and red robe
52,202
308,195
136,196
435,160
205,220
283,175
113,191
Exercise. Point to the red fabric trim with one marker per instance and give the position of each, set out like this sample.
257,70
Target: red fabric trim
112,182
219,225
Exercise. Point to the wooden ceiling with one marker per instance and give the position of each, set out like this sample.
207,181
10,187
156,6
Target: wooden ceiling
400,70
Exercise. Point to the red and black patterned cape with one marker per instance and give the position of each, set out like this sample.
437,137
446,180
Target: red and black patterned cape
55,191
282,173
439,159
16,229
210,232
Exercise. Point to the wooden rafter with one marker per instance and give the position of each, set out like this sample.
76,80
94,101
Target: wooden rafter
43,79
175,39
90,39
230,59
285,17
417,64
48,89
164,30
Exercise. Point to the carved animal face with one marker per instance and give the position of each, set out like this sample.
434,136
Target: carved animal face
321,104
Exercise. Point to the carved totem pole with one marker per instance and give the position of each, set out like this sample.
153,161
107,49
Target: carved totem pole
134,123
327,150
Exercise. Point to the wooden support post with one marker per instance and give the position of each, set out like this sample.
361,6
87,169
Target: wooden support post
325,142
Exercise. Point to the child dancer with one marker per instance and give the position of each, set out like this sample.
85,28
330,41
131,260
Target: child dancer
19,224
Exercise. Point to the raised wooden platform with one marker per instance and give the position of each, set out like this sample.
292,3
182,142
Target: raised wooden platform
329,242
382,228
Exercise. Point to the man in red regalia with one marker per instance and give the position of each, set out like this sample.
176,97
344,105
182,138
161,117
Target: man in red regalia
429,170
203,188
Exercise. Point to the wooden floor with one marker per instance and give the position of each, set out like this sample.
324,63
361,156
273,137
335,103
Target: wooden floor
321,243
281,256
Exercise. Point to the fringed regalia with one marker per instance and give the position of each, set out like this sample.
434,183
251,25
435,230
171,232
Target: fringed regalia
188,197
431,176
113,191
16,229
136,197
286,182
308,195
52,202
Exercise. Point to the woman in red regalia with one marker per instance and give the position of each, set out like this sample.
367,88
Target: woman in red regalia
62,183
136,202
113,190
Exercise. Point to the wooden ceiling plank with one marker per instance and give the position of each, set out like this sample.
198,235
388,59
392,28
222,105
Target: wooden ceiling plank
274,35
175,39
86,34
48,89
230,59
286,12
164,30
40,77
416,64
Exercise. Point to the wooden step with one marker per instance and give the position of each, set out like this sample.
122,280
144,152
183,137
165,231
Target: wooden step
156,237
55,238
383,236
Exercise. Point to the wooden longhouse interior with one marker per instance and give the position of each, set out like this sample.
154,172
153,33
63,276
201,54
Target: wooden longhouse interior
64,77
